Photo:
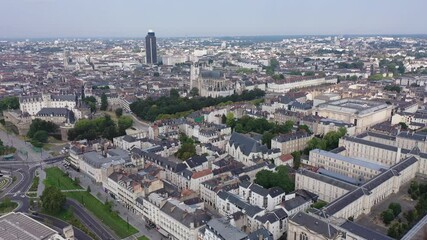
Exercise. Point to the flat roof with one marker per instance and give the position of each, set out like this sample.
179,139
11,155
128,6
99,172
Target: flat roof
20,226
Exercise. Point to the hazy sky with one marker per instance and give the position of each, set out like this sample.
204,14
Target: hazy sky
132,18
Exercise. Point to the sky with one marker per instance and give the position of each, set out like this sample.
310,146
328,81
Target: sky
190,18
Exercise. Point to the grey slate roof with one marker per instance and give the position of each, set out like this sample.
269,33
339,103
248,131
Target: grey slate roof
355,161
273,216
198,217
315,224
223,229
196,161
244,206
418,136
159,160
246,144
129,138
365,189
57,112
327,179
363,232
295,202
261,233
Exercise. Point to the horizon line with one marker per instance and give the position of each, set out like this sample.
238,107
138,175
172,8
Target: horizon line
219,36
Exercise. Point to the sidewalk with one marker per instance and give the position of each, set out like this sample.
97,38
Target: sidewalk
42,177
98,192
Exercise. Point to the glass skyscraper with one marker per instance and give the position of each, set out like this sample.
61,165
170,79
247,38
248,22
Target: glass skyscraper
151,47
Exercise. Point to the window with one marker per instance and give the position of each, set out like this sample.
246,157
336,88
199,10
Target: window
303,236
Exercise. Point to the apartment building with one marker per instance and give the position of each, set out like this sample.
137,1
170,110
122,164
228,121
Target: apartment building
259,196
289,143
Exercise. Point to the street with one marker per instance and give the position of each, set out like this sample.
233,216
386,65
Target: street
98,192
24,168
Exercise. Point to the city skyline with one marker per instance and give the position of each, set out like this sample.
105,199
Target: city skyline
59,19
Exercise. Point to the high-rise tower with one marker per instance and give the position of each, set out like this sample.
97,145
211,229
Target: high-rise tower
151,47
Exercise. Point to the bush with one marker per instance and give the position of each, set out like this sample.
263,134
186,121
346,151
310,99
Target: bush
387,216
396,208
41,136
119,112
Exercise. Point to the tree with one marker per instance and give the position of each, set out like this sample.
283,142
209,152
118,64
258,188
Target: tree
394,88
231,122
91,129
149,109
38,125
174,94
194,92
187,149
411,216
119,112
266,138
9,103
297,159
396,208
124,123
41,136
403,126
104,102
52,199
304,128
280,178
387,216
223,119
91,102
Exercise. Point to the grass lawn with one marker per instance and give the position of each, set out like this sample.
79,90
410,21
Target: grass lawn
35,184
7,206
143,238
55,177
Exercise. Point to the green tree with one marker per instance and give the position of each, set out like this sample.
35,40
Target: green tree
149,109
411,216
403,126
281,178
274,63
387,216
187,149
231,122
41,125
304,128
174,94
91,102
104,102
266,138
119,112
41,136
223,119
9,103
194,92
393,230
124,123
52,199
297,159
396,208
